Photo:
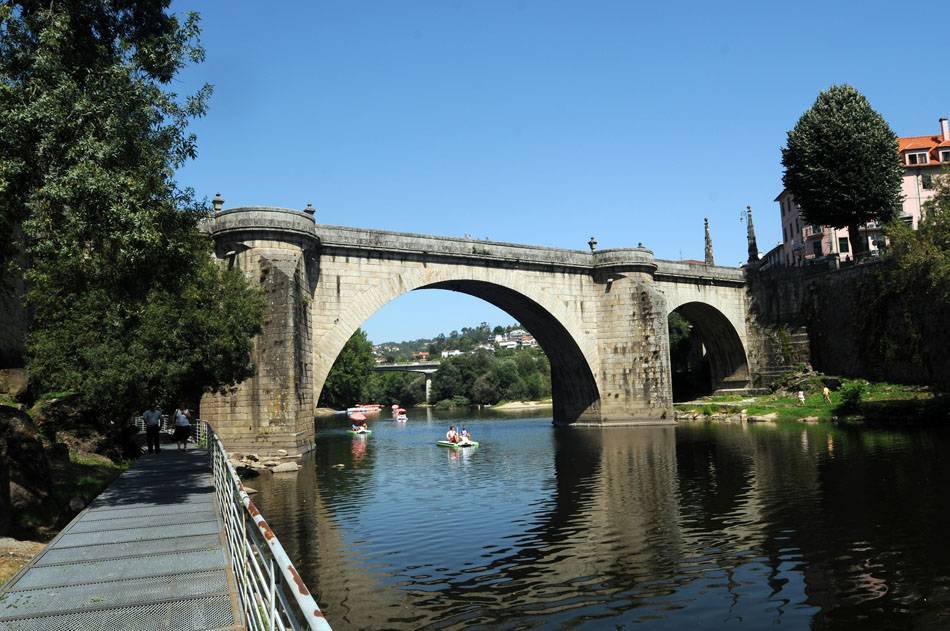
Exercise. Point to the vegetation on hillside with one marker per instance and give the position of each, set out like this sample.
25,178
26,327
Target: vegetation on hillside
128,306
468,339
841,164
478,377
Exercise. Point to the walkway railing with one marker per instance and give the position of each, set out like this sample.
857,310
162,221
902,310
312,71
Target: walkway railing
272,594
166,426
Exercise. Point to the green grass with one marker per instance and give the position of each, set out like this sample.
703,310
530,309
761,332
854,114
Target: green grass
85,476
46,396
881,401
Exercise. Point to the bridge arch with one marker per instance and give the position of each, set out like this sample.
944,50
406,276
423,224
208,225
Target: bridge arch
724,351
571,353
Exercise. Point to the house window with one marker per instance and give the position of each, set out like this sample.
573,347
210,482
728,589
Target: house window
784,234
945,156
919,157
816,247
843,245
927,181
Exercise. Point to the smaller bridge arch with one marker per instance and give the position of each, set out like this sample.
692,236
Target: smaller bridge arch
713,300
725,353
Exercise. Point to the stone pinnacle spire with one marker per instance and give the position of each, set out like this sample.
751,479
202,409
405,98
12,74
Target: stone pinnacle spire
753,248
709,249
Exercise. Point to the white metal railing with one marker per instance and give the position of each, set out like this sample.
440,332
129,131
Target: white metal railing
272,594
198,429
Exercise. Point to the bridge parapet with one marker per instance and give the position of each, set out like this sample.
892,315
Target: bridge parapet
346,239
678,271
630,260
261,219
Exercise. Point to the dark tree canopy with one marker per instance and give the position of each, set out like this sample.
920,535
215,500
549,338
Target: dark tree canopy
347,382
127,303
841,163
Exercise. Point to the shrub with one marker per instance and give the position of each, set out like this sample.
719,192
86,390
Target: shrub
851,395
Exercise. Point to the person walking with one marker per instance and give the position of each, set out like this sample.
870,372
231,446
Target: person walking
153,424
826,393
182,427
801,398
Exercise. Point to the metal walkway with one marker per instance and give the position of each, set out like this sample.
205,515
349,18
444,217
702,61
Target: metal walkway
148,553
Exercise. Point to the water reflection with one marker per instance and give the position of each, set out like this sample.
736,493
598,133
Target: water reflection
702,525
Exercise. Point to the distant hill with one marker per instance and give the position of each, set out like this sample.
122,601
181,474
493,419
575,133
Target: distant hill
468,339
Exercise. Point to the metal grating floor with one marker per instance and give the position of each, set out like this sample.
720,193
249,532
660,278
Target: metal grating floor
147,554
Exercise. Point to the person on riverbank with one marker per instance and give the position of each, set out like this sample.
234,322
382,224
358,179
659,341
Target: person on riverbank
801,398
182,427
153,424
451,435
826,393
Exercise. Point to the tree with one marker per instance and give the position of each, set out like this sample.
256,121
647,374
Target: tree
127,302
841,164
905,321
348,378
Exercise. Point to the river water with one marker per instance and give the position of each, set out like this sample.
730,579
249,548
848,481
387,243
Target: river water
700,526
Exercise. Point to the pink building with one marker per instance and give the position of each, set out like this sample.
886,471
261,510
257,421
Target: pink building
922,158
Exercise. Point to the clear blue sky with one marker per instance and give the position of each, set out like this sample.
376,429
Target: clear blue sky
540,122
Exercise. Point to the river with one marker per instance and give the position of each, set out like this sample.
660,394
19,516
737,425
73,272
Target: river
699,526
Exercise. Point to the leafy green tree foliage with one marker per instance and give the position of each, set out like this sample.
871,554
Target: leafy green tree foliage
402,388
173,346
127,304
922,257
680,331
348,380
907,318
841,163
486,378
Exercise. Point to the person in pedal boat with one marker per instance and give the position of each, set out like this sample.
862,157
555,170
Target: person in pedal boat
358,425
452,436
465,437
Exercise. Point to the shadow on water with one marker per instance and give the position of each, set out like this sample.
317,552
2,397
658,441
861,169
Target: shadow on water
807,526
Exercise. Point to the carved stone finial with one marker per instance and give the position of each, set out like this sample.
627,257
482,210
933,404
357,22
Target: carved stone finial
217,203
592,244
710,259
310,210
750,235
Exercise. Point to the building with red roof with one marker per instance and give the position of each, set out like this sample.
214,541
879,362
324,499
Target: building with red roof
922,158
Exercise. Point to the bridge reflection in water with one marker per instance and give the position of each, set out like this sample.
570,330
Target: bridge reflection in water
696,525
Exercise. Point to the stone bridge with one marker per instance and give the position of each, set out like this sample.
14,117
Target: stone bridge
601,317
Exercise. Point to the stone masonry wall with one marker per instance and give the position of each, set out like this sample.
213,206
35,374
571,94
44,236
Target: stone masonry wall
832,318
274,408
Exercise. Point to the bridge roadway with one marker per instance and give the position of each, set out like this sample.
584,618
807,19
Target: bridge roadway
148,553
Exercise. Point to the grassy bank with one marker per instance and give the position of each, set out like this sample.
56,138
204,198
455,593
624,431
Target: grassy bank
83,477
883,402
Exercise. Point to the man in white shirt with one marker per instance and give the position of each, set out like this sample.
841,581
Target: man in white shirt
153,423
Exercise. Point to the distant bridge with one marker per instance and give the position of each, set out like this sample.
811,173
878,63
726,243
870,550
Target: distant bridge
426,368
423,367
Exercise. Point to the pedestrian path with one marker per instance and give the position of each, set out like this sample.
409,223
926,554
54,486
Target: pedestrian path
146,554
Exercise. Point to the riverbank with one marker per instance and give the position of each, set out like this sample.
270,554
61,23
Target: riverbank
503,406
854,401
14,554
